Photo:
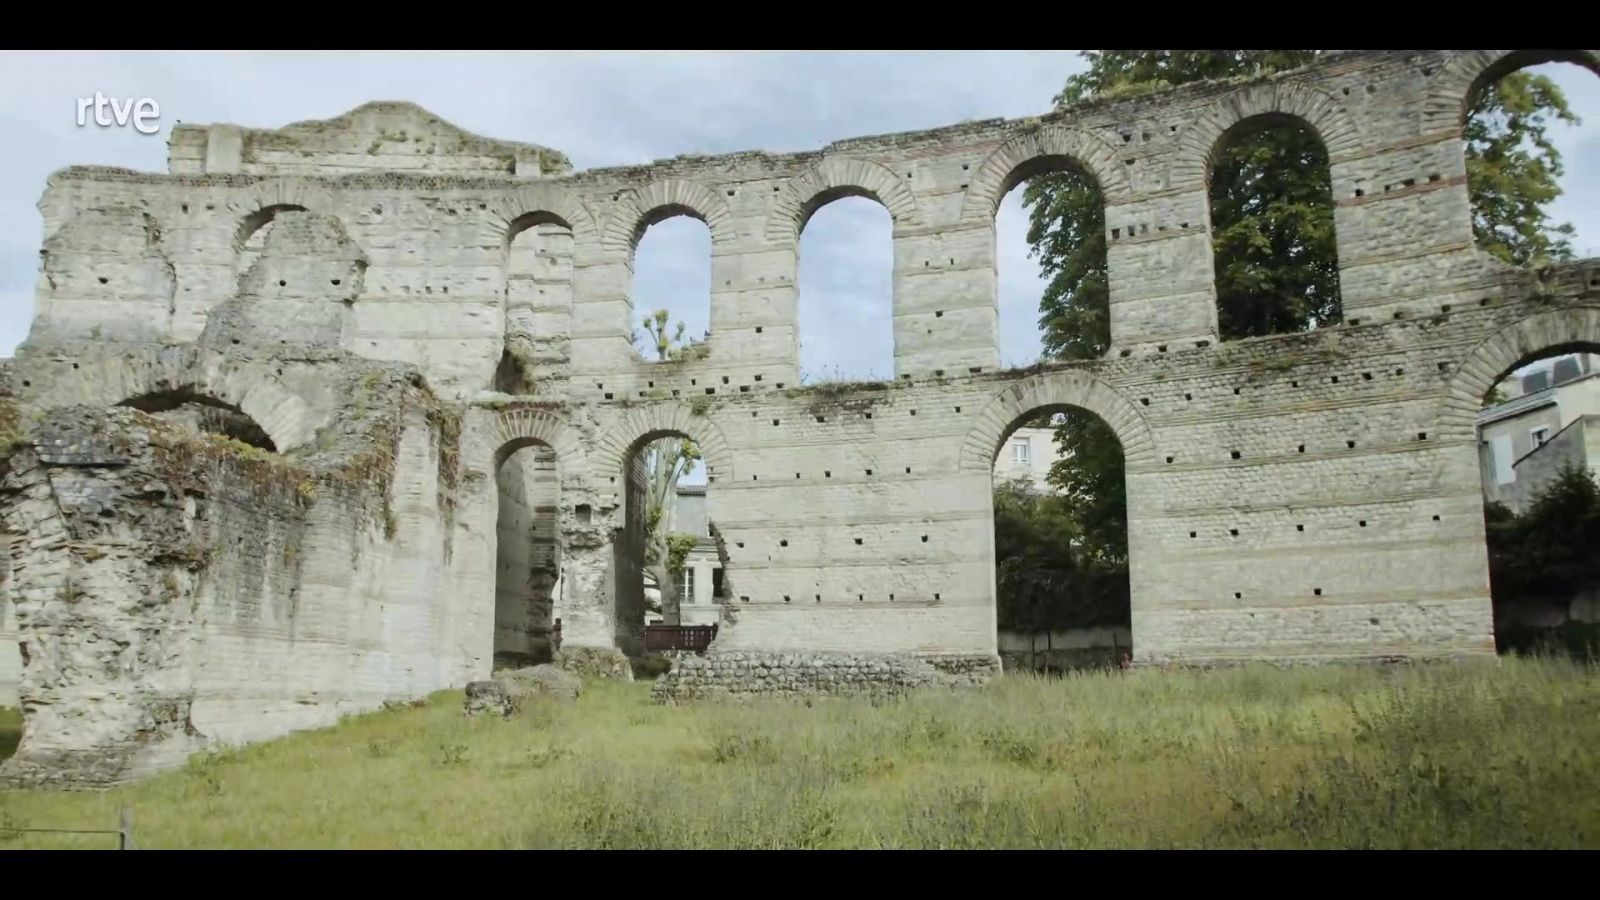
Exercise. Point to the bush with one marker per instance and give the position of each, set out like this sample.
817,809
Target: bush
650,666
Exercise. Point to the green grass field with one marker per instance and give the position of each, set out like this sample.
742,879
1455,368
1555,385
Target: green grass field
1488,755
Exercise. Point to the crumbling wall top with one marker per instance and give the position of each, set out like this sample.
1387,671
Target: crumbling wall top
385,135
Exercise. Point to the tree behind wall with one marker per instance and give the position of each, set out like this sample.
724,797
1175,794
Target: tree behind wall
1046,576
1546,556
666,462
1272,226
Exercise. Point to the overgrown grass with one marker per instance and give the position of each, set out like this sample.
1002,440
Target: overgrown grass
1495,755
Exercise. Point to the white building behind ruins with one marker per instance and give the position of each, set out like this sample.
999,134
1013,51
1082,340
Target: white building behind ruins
1549,420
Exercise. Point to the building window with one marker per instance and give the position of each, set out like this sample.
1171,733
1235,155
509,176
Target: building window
1500,453
687,585
1540,435
1019,451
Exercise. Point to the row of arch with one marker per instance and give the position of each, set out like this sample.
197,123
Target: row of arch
617,233
285,419
291,420
1559,330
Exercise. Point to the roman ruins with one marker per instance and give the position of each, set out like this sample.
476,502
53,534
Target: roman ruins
313,420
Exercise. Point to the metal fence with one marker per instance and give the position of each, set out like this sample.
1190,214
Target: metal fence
123,831
693,638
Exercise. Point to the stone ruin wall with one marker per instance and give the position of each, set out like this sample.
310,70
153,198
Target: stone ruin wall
175,590
1302,497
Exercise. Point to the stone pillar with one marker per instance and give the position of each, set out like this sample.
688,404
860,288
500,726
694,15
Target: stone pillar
1163,286
946,307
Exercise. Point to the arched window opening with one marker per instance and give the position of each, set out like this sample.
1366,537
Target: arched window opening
1520,130
538,299
1061,544
846,296
527,555
672,286
1272,229
204,414
251,237
670,569
1538,436
1050,256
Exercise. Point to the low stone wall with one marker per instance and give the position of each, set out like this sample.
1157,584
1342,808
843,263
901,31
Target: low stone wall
966,669
745,673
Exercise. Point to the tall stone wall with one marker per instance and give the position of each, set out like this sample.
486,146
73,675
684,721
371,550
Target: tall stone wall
1303,497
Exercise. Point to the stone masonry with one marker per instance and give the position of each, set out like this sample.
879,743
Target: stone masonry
259,431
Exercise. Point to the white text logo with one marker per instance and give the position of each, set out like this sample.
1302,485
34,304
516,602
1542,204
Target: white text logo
110,111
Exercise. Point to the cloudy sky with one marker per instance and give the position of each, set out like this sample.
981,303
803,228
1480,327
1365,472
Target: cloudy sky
617,108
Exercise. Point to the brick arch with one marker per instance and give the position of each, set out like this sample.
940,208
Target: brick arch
518,428
1009,164
641,425
83,229
264,198
831,179
1004,414
655,202
1451,87
1318,109
1540,334
508,215
289,419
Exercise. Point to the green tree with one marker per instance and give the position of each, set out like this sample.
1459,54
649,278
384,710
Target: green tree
1512,169
1545,557
1547,552
1046,576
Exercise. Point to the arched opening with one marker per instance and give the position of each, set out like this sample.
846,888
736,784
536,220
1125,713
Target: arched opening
846,296
1061,543
251,237
1519,127
538,298
671,297
669,566
1272,229
527,554
1050,259
1538,437
205,414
